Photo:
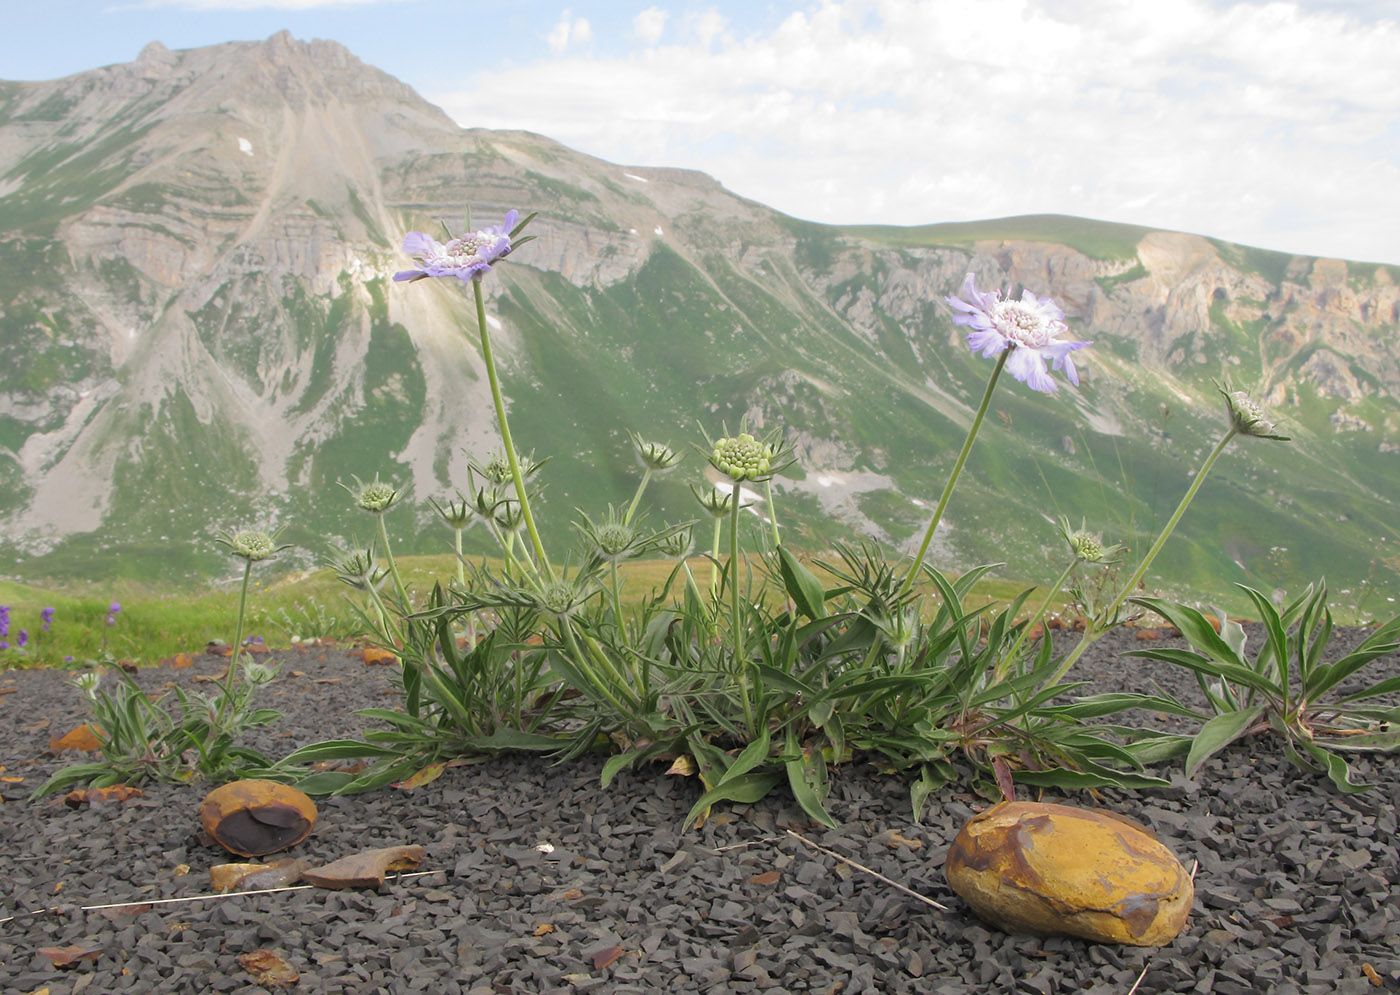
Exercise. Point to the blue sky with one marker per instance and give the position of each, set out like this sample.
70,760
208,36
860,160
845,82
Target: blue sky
1274,124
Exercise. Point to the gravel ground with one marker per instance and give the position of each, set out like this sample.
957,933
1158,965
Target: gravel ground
1298,887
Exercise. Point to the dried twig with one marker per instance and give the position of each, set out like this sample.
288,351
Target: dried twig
875,874
189,898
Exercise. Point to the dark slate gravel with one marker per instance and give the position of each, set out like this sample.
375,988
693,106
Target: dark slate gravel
1298,888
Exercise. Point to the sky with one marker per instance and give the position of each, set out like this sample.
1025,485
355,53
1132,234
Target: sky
1274,124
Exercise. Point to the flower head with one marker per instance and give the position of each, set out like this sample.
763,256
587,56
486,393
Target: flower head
1027,327
466,257
717,503
360,569
457,514
257,674
376,497
655,456
1087,547
47,616
251,545
87,683
745,457
613,538
1247,416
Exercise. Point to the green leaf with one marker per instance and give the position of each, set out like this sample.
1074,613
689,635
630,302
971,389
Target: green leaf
1098,705
1193,625
1213,668
514,739
327,782
806,772
1079,780
1335,767
1218,733
802,585
746,789
749,757
335,749
931,779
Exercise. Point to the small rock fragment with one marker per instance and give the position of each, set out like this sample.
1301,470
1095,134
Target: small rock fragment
365,869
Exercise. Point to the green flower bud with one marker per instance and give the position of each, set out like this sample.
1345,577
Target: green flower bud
88,683
257,674
655,456
457,514
376,497
251,545
715,502
1248,417
742,457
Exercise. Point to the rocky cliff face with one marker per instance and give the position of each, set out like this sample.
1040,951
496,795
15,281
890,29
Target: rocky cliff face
197,326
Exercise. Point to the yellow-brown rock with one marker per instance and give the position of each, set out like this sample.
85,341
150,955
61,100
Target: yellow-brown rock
253,817
1032,867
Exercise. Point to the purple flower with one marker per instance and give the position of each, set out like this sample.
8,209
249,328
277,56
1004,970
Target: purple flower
47,616
23,637
114,607
465,257
1027,327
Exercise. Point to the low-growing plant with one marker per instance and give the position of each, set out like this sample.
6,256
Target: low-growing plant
142,737
1287,688
765,675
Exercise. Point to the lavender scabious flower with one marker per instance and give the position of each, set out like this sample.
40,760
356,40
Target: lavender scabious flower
1027,327
465,257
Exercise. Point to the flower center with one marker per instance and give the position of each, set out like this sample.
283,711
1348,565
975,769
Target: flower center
1023,324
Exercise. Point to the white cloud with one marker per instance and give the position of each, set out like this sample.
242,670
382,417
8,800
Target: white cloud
649,25
1271,123
568,31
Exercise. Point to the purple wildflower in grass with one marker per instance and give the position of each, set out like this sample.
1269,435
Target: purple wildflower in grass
465,257
4,621
23,637
4,645
1027,327
47,617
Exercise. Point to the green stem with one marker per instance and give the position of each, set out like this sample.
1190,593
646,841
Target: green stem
1000,671
1094,629
636,498
740,662
393,567
957,471
616,591
714,560
772,512
226,691
499,401
462,583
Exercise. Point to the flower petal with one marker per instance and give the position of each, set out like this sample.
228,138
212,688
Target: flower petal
1027,366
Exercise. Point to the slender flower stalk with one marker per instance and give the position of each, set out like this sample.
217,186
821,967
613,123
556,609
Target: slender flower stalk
1100,624
953,477
772,512
740,661
250,547
1010,656
516,477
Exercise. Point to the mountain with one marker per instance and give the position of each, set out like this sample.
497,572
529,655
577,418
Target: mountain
198,331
